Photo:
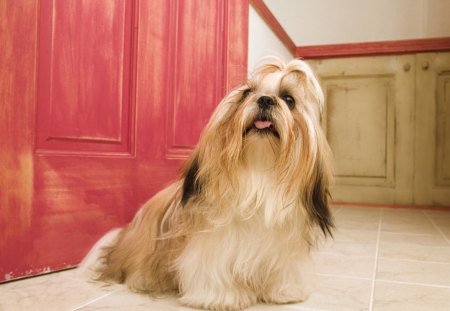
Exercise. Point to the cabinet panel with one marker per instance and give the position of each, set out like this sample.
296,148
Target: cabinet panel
360,128
432,152
369,111
443,129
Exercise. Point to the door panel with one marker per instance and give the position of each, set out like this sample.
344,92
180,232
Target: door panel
94,97
368,122
432,184
360,128
86,57
196,71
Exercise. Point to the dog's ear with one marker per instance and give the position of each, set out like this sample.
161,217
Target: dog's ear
320,202
317,201
191,183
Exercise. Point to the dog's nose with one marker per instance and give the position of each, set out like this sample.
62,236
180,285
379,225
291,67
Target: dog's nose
265,102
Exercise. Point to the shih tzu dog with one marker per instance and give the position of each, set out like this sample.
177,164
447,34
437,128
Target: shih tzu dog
238,226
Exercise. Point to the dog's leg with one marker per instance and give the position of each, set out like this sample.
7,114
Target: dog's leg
206,276
293,282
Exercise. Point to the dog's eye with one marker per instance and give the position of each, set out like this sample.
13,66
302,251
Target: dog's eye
246,93
289,100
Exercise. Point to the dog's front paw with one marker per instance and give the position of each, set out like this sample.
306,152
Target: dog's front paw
226,300
286,295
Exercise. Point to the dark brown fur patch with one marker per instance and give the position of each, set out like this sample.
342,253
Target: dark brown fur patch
191,184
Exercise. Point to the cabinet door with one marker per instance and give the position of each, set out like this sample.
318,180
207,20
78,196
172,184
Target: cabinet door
368,122
432,164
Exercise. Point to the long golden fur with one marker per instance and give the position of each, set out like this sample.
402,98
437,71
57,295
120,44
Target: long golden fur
238,226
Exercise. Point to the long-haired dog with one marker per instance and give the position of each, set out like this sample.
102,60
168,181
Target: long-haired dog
238,226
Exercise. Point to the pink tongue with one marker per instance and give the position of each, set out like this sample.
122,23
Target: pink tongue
262,124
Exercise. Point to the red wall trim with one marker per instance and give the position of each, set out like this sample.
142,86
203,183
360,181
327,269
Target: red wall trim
273,24
373,48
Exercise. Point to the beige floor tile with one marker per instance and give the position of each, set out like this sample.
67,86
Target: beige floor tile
436,215
369,214
355,236
348,248
406,219
357,224
403,211
410,228
126,300
356,210
414,272
414,252
446,233
343,265
413,239
338,294
52,292
400,297
355,218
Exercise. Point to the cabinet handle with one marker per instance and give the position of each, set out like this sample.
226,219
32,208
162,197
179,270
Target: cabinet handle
425,66
406,67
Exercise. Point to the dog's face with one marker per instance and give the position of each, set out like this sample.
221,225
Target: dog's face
274,102
272,122
278,108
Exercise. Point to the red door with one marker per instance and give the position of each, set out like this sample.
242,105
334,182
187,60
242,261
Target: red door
100,101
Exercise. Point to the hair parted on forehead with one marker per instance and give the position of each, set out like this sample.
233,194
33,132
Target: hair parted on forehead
273,64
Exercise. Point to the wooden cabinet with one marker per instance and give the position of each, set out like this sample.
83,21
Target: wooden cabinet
387,120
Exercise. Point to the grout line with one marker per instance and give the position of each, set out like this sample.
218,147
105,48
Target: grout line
340,254
92,301
374,275
412,244
409,233
413,283
339,209
302,308
436,226
344,277
416,260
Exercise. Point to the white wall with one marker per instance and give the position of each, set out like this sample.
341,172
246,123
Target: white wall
263,42
437,18
315,22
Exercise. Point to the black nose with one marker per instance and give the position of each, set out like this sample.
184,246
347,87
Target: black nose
265,102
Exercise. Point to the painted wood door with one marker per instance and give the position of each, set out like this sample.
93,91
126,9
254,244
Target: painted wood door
100,103
432,129
369,125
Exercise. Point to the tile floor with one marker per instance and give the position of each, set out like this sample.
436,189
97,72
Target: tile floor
380,259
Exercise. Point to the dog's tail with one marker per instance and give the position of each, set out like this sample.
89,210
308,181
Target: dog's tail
91,264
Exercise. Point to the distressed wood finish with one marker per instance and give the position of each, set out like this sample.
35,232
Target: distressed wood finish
432,129
18,22
368,121
89,113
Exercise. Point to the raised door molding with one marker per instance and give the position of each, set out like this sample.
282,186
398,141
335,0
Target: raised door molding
86,68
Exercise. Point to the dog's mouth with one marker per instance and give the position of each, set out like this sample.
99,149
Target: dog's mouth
262,125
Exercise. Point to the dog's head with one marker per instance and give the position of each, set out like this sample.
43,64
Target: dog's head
270,123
